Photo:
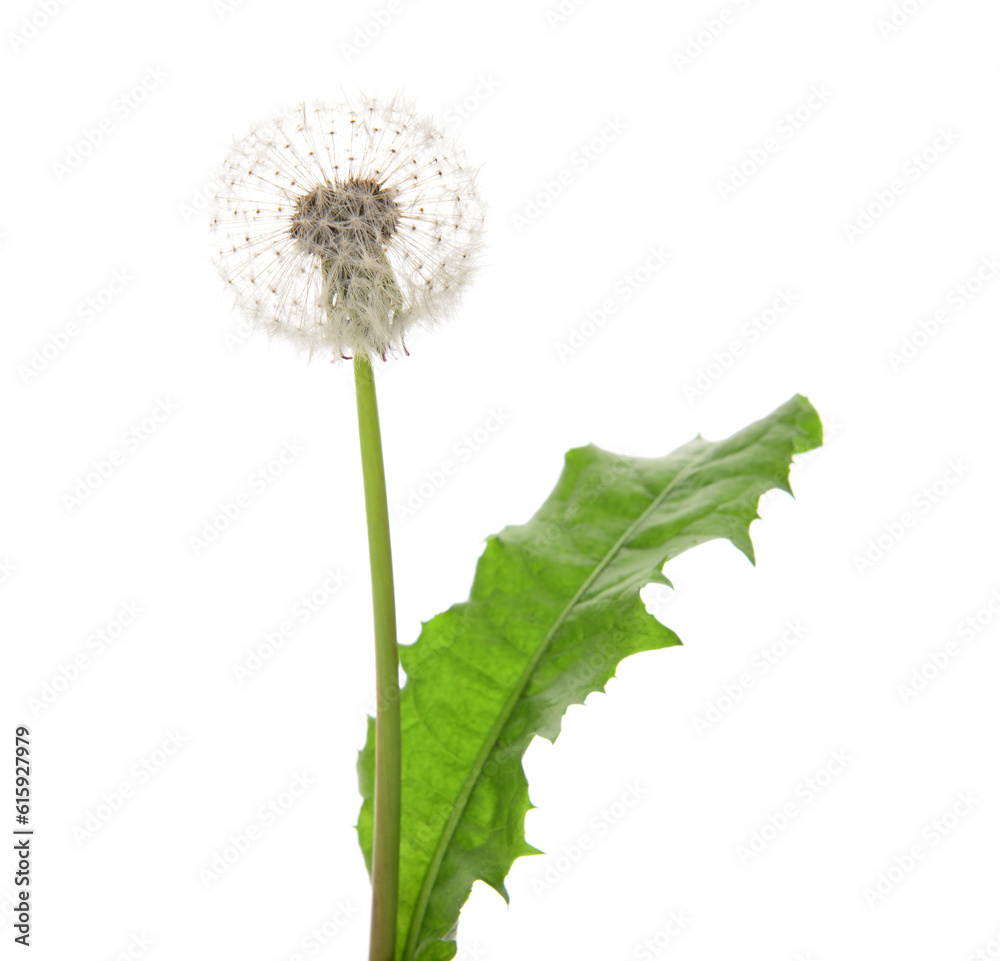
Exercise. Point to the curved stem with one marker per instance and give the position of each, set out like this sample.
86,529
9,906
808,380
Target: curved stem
388,741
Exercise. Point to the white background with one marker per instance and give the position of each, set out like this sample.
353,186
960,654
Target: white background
642,138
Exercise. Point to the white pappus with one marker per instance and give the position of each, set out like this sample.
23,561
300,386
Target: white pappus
341,228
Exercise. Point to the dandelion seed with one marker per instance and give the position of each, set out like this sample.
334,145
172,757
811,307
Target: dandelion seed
341,228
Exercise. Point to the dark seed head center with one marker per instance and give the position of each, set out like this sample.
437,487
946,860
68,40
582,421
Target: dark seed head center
351,219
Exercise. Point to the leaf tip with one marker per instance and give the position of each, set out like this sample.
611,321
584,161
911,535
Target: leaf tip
810,425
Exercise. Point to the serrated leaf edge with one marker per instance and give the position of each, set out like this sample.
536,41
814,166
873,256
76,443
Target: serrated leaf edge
427,887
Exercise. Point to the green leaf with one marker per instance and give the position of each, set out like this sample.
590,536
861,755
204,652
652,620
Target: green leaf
554,607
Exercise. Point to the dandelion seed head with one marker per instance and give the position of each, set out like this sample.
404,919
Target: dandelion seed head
341,228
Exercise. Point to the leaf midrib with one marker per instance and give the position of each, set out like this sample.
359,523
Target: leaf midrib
416,922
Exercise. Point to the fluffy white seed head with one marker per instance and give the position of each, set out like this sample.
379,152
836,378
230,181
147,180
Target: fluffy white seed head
340,228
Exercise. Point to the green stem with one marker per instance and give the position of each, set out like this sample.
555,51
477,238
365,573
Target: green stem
388,741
